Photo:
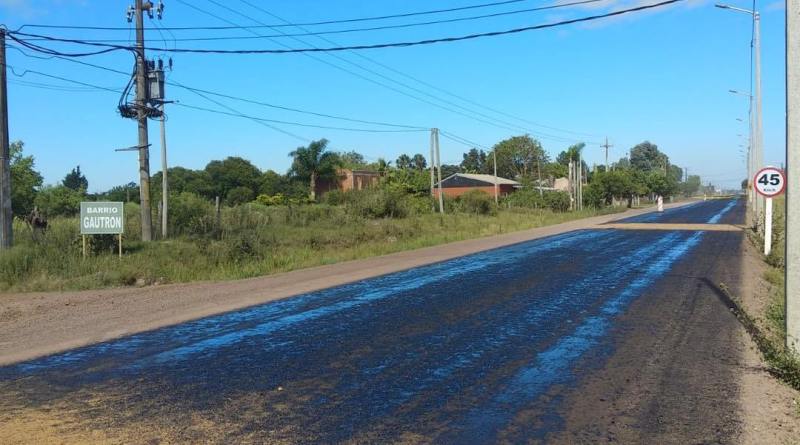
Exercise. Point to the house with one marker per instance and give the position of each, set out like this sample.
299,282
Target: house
347,179
460,183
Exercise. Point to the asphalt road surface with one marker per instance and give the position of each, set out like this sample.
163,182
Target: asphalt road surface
585,337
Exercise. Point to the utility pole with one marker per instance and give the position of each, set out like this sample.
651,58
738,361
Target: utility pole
580,183
438,168
494,158
792,302
607,146
433,167
141,117
759,135
6,216
164,184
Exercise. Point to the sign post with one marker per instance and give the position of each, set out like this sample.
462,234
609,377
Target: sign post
769,182
102,218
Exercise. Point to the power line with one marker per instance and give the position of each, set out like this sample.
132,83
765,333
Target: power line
354,30
240,99
327,22
386,67
353,73
324,127
112,47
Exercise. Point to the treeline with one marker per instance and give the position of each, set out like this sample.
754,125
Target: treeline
236,180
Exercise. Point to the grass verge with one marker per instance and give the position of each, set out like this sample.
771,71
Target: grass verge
252,241
768,330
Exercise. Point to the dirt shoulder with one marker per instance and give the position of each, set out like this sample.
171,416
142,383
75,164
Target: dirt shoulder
37,324
768,408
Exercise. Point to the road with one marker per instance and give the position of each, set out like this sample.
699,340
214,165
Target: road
588,336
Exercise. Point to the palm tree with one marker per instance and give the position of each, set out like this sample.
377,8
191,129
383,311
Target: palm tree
403,162
312,163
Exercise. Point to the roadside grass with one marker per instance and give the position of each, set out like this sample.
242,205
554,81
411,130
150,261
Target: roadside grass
252,240
770,334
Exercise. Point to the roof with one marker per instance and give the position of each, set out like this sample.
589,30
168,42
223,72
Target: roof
482,178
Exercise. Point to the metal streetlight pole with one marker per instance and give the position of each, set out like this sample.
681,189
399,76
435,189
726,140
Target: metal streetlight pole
757,138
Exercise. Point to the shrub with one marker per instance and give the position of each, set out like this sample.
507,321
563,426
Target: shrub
239,195
274,200
593,196
375,203
476,201
190,214
334,197
557,201
59,201
526,198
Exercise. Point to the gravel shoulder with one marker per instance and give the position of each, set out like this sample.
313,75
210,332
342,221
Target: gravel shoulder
38,324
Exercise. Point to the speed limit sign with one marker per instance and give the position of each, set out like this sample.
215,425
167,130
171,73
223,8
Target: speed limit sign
769,181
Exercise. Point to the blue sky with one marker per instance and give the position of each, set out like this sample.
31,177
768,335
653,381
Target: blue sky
660,75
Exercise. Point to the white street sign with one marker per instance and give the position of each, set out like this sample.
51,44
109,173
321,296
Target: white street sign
769,181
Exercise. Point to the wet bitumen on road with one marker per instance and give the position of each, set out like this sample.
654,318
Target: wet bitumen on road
589,336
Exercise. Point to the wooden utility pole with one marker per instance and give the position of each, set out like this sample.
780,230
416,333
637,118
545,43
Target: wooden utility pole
141,117
607,146
793,174
6,216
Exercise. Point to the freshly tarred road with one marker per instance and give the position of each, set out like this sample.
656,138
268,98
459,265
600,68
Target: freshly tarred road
585,337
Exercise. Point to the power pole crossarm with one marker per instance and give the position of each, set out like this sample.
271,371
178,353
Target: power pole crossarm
6,215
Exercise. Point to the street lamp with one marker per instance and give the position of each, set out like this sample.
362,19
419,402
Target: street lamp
756,139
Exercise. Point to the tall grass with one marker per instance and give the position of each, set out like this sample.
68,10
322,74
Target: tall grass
252,240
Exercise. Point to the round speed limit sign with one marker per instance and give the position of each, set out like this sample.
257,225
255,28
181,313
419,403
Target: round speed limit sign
769,181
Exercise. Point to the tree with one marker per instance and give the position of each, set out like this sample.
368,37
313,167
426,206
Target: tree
75,180
125,193
475,162
25,180
312,163
646,157
520,157
614,184
233,172
570,154
692,185
661,184
352,160
403,162
419,162
239,195
59,200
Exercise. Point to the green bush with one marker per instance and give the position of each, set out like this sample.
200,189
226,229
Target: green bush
335,198
477,202
375,203
192,215
59,201
238,196
274,200
557,201
526,198
593,197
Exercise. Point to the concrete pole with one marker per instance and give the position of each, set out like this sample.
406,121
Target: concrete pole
141,105
759,136
6,216
496,191
164,184
792,176
438,169
433,167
